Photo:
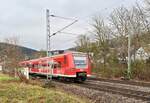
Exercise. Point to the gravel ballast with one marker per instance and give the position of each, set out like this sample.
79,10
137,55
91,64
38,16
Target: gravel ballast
96,96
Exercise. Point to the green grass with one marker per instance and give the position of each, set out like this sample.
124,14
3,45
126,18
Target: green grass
16,92
4,77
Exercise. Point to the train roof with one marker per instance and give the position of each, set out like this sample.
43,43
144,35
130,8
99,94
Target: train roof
43,59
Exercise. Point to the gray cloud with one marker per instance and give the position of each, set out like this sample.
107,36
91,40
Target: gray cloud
26,19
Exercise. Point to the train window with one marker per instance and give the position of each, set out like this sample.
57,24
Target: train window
65,59
35,66
40,66
80,61
59,64
30,66
56,65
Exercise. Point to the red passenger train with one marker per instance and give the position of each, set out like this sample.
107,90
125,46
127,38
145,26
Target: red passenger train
70,65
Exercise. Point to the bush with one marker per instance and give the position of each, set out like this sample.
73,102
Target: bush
141,70
111,72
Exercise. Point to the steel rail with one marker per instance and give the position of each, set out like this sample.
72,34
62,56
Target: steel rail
128,82
145,96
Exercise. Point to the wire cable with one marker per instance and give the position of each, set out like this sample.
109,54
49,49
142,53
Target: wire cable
62,17
65,27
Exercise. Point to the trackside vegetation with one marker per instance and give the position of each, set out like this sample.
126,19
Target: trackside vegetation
107,42
18,92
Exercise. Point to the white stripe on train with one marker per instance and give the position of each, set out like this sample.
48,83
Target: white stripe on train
55,75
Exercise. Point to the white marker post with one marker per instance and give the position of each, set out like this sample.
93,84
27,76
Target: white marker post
26,72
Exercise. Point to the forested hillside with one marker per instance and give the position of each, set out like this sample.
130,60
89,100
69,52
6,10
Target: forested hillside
24,50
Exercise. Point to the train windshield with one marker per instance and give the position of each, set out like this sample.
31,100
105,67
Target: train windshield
80,61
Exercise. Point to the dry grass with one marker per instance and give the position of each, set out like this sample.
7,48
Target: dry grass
16,92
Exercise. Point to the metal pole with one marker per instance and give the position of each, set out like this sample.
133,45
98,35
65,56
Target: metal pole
49,68
129,56
48,38
48,31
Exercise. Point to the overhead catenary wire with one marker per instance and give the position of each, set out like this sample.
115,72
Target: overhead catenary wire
74,34
62,17
65,27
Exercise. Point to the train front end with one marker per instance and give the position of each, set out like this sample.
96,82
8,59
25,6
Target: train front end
81,65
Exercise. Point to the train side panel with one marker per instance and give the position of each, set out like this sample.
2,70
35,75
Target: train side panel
65,65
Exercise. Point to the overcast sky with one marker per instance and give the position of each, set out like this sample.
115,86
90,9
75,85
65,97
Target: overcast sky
26,19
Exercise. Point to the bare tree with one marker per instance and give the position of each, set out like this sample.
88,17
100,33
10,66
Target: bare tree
120,25
138,25
147,2
147,12
129,22
83,43
102,35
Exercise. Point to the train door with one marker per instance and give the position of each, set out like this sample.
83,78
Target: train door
47,67
56,67
32,68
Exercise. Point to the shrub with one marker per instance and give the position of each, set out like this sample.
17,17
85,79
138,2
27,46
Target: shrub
141,70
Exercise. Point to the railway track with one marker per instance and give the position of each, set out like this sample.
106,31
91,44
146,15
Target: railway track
141,95
128,82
